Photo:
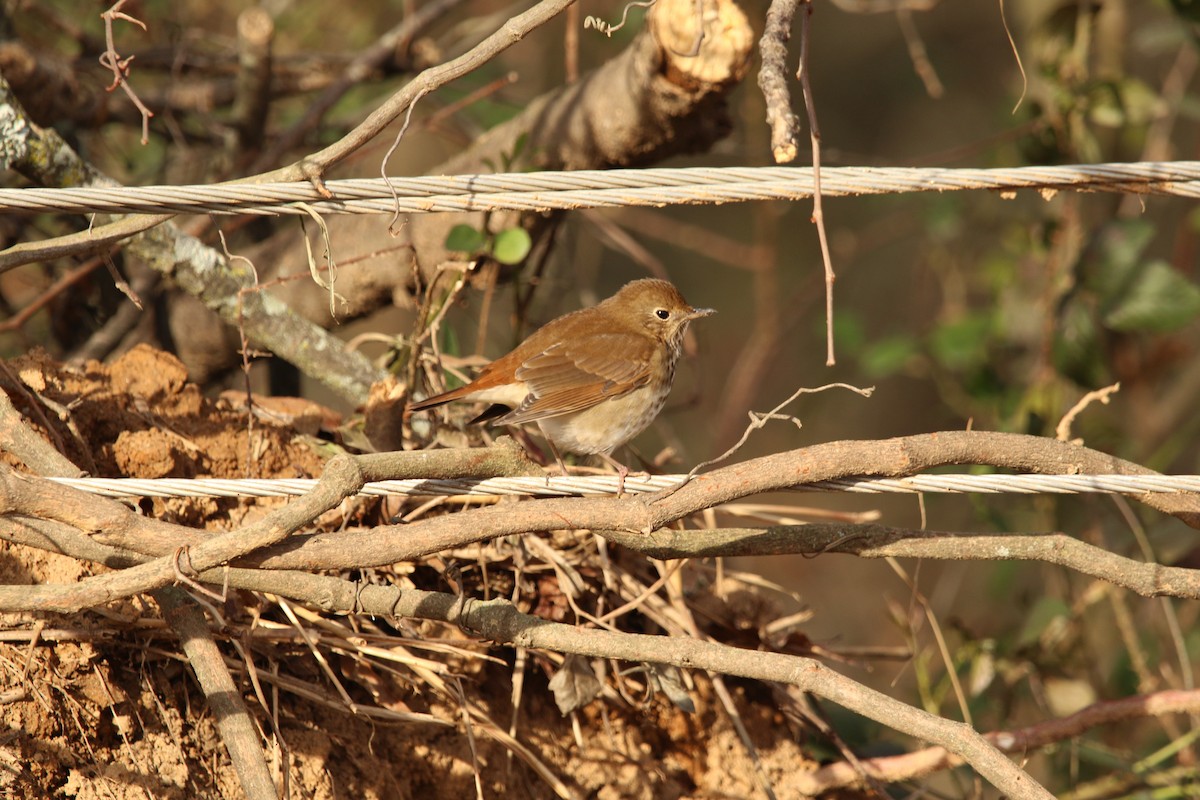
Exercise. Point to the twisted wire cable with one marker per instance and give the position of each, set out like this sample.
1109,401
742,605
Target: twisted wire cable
575,486
545,191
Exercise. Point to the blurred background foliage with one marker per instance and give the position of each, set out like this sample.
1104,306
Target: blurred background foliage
962,309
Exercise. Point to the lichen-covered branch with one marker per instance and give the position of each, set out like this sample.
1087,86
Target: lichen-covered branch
42,156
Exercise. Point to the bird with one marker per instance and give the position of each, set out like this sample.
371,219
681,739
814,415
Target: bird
592,379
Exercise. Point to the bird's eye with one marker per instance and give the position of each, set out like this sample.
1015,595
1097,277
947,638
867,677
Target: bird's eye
662,313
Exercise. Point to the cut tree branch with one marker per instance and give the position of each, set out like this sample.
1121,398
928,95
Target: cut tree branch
772,80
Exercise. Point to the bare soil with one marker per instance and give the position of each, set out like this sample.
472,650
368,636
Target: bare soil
103,704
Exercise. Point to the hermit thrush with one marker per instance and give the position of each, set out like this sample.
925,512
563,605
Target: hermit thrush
592,379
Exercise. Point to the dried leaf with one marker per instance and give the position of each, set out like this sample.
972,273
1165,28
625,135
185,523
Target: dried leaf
669,680
574,685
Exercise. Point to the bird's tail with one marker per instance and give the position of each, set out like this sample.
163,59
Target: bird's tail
440,399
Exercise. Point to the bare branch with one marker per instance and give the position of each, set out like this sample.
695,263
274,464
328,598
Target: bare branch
34,451
645,514
1062,431
882,541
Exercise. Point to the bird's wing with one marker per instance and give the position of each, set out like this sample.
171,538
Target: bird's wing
572,376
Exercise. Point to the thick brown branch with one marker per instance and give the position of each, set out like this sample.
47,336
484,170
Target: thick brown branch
505,458
772,80
116,525
881,541
887,458
35,452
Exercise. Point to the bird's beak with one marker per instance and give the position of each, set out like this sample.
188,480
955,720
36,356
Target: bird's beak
697,313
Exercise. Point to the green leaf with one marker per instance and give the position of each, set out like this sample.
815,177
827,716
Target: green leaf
848,331
1077,349
511,246
1046,612
510,158
888,356
961,344
1119,260
465,239
1161,300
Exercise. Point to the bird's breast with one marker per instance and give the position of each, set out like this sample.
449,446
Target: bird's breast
607,425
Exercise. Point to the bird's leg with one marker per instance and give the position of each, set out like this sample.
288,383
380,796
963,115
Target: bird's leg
622,472
561,464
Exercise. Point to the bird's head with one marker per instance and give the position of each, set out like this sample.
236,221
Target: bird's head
657,307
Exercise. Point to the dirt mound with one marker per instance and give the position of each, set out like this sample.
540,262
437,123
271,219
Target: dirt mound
139,417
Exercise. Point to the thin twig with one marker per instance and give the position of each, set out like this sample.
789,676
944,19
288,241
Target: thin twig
246,354
1016,55
1062,431
372,58
111,60
917,54
936,627
108,337
758,420
608,28
314,166
818,215
18,320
